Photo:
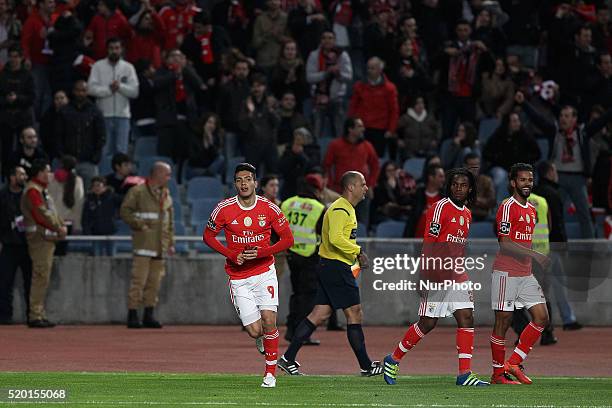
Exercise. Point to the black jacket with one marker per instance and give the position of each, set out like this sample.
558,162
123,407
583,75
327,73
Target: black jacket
192,49
49,137
293,168
504,150
143,107
17,114
229,102
9,210
164,86
200,156
19,158
65,40
82,131
550,191
99,213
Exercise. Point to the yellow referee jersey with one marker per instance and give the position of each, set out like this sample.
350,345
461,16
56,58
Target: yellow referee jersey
339,234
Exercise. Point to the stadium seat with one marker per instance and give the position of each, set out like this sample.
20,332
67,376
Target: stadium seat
145,147
573,230
482,230
544,146
180,246
414,167
390,229
486,129
145,164
201,210
204,187
178,209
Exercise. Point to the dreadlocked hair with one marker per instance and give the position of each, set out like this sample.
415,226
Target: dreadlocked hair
462,171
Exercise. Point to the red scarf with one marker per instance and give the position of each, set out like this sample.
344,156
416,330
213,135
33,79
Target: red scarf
567,155
180,95
462,71
325,60
207,53
343,13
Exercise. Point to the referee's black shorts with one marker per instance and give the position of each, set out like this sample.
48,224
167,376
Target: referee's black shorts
337,285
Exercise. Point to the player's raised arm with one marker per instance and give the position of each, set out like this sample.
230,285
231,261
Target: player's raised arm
213,228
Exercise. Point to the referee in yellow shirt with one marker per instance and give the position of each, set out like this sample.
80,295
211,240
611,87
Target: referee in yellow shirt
338,287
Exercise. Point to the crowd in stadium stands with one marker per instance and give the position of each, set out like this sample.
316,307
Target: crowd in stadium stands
401,90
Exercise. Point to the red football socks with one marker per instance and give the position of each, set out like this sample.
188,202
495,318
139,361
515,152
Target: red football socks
528,338
411,338
465,346
271,349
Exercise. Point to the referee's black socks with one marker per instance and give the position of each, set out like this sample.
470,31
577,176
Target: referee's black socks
303,332
354,332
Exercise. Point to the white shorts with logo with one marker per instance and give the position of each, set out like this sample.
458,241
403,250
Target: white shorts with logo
443,303
510,292
251,295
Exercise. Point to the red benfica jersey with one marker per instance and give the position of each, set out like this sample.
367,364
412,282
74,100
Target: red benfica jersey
247,228
516,221
430,200
446,237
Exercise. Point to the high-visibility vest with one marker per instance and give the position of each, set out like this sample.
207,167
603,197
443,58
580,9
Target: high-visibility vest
540,240
303,215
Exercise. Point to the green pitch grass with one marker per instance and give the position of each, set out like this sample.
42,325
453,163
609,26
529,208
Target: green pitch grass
180,390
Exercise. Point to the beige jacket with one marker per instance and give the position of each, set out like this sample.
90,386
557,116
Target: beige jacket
266,41
46,211
151,216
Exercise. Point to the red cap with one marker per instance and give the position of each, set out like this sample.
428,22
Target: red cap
314,180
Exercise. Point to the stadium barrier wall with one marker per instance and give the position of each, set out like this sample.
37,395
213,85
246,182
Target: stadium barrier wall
93,290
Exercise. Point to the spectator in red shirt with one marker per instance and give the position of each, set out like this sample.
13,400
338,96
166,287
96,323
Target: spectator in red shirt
178,19
108,23
464,56
149,36
353,153
36,52
375,101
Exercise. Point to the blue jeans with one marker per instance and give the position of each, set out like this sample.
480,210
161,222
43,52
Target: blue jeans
117,135
334,112
500,180
101,248
215,169
42,89
573,186
87,171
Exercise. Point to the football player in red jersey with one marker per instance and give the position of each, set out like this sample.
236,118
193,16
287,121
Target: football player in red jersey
513,285
248,221
448,223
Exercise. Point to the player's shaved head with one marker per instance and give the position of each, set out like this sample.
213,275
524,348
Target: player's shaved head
349,178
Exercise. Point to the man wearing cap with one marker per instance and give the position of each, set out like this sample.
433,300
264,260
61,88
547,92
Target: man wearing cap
305,214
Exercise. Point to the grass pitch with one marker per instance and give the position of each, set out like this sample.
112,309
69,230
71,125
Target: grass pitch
181,390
